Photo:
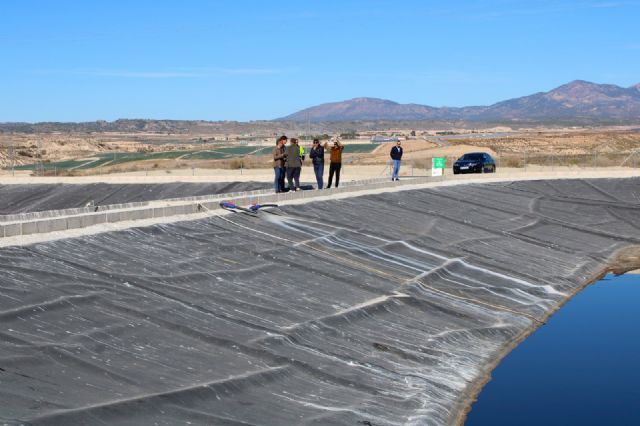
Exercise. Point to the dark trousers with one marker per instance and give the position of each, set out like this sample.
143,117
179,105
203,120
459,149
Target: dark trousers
293,174
318,169
282,177
278,181
334,168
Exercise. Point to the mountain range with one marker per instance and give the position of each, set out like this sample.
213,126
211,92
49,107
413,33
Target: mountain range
576,101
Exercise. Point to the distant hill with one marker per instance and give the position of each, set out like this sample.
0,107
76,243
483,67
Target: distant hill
578,100
149,126
363,109
122,125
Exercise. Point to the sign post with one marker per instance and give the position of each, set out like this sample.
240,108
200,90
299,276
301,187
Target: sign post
437,166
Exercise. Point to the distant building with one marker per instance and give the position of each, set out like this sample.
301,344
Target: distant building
382,139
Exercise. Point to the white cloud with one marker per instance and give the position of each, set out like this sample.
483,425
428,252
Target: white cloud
136,74
248,71
164,74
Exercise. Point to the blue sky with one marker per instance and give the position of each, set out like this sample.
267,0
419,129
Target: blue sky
251,60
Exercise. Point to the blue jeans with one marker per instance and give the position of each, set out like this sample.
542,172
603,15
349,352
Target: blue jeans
318,169
396,169
278,180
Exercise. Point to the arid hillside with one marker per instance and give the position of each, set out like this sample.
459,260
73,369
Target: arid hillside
99,153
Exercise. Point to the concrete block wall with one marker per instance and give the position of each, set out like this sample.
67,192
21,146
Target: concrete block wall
21,217
60,220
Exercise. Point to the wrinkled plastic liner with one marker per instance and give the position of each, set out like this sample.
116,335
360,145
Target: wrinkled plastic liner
40,197
382,308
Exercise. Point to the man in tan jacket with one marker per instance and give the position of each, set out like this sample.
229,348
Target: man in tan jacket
279,157
335,160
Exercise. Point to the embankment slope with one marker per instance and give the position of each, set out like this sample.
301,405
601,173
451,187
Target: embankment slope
385,308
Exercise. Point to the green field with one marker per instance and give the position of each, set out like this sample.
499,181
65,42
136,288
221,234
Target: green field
350,148
360,148
115,158
168,141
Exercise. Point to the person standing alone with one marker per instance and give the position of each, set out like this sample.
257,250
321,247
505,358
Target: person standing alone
317,158
294,164
335,163
279,170
396,156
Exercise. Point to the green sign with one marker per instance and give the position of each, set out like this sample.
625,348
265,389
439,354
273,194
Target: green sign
437,166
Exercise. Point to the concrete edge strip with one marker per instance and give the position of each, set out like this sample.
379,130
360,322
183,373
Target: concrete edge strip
29,232
79,211
165,208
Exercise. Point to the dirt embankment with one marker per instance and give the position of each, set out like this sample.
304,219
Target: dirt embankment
600,147
566,143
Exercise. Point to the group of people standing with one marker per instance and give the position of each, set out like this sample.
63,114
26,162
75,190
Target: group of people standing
288,160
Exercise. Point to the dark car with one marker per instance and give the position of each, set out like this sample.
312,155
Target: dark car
474,162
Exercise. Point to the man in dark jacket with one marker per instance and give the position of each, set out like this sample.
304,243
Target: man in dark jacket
317,158
396,156
279,169
293,162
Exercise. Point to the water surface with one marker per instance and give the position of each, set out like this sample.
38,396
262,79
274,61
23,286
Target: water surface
581,368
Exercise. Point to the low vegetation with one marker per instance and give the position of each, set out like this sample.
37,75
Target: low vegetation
75,154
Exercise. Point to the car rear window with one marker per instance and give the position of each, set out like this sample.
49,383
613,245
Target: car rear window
472,157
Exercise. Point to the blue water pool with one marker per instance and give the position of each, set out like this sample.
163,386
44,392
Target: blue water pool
581,368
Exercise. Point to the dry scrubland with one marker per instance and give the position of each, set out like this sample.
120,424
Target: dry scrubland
28,148
581,149
597,148
548,148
